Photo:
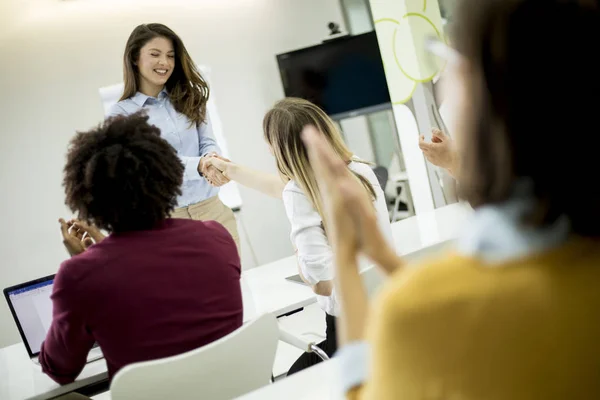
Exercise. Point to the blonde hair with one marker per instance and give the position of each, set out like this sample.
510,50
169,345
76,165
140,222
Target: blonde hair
282,127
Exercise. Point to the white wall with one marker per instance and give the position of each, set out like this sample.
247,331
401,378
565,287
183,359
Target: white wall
358,16
357,137
58,55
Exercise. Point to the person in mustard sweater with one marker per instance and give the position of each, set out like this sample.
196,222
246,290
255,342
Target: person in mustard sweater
512,311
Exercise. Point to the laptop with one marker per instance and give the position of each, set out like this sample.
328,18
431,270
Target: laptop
31,307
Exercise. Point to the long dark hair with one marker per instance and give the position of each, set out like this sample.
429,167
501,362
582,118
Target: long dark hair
188,91
535,100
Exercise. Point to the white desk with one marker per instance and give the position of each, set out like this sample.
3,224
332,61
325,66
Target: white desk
319,382
21,379
419,233
264,289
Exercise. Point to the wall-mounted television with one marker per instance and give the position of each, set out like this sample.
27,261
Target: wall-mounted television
343,76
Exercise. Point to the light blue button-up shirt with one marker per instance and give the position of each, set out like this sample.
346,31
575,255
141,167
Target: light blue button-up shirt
191,142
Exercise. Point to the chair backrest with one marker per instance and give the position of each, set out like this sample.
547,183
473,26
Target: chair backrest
382,176
110,95
227,368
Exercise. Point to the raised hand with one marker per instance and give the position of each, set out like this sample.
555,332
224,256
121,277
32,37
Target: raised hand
440,151
75,241
351,219
84,228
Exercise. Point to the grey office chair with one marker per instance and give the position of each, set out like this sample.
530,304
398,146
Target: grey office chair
382,175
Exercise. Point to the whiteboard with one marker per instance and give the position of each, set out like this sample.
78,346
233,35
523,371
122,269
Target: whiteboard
229,194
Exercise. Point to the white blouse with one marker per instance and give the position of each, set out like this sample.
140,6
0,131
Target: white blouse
315,256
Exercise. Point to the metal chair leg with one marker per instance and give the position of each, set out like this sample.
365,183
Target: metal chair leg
319,352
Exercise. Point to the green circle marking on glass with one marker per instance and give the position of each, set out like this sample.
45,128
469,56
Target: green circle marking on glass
437,32
407,98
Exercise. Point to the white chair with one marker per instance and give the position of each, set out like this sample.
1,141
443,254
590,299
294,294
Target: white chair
227,368
300,342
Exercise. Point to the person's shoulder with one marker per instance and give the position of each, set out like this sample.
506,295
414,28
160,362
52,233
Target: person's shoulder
213,235
116,109
212,226
293,195
433,287
358,165
364,169
123,107
79,268
191,224
296,202
204,228
426,306
292,187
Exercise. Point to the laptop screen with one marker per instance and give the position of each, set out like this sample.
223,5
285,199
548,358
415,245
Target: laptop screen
33,310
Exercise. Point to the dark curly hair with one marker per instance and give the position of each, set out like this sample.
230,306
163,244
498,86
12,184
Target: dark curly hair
122,176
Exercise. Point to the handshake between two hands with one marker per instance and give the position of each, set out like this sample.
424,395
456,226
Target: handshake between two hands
214,168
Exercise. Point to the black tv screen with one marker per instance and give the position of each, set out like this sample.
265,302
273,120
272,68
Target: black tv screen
341,76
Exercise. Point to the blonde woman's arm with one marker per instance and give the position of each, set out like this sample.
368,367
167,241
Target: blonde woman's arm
322,288
314,254
269,184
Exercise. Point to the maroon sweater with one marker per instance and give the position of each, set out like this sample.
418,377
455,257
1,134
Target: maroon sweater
144,295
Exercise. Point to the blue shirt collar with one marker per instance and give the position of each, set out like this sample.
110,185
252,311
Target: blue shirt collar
140,98
496,234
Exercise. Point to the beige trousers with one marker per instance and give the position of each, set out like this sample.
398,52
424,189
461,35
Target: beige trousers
211,209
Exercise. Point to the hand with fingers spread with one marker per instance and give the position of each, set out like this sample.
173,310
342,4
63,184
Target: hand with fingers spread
441,151
351,219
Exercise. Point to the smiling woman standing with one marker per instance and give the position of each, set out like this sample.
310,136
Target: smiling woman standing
161,79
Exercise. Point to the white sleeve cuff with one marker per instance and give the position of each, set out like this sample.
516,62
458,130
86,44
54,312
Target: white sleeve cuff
354,360
191,169
317,268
